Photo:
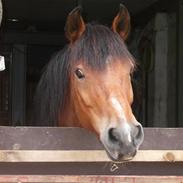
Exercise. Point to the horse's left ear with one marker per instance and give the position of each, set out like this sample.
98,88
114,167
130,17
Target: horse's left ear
121,23
75,25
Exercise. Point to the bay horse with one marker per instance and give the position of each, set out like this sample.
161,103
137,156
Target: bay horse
88,84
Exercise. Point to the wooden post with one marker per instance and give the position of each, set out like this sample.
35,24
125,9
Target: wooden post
171,71
180,62
18,85
161,53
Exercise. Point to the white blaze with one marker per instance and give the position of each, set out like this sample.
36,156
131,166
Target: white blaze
126,128
117,106
120,111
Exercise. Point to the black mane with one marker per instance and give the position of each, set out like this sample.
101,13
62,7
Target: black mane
94,46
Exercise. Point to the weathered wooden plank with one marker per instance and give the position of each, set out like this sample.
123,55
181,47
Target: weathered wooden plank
64,151
92,168
55,138
91,179
87,156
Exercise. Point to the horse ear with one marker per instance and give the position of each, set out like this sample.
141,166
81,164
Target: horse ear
121,23
75,25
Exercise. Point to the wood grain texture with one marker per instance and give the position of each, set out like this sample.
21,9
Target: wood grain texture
92,179
87,156
55,138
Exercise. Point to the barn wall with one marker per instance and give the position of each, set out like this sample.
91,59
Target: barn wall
165,71
158,60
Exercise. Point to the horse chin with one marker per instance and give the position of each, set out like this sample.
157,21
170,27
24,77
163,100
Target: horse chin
118,157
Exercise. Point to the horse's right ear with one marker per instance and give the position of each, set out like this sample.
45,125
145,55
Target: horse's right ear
75,25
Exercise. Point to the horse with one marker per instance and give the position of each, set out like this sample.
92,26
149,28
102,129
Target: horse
88,84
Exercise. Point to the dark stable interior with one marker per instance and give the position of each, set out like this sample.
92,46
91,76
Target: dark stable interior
33,30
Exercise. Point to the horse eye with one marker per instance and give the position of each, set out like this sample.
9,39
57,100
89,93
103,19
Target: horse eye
79,74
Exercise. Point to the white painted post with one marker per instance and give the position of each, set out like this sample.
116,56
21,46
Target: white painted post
1,12
2,63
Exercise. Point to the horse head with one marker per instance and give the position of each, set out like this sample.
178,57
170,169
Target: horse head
100,83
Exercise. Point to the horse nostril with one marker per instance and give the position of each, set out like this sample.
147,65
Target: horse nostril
139,134
113,135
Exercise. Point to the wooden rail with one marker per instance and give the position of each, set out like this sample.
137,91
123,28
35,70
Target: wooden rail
86,156
91,179
46,154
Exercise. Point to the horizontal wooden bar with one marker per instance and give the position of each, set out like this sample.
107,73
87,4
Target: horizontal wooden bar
87,156
56,138
92,168
64,151
91,179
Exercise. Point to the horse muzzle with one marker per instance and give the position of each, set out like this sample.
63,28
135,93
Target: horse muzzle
122,143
